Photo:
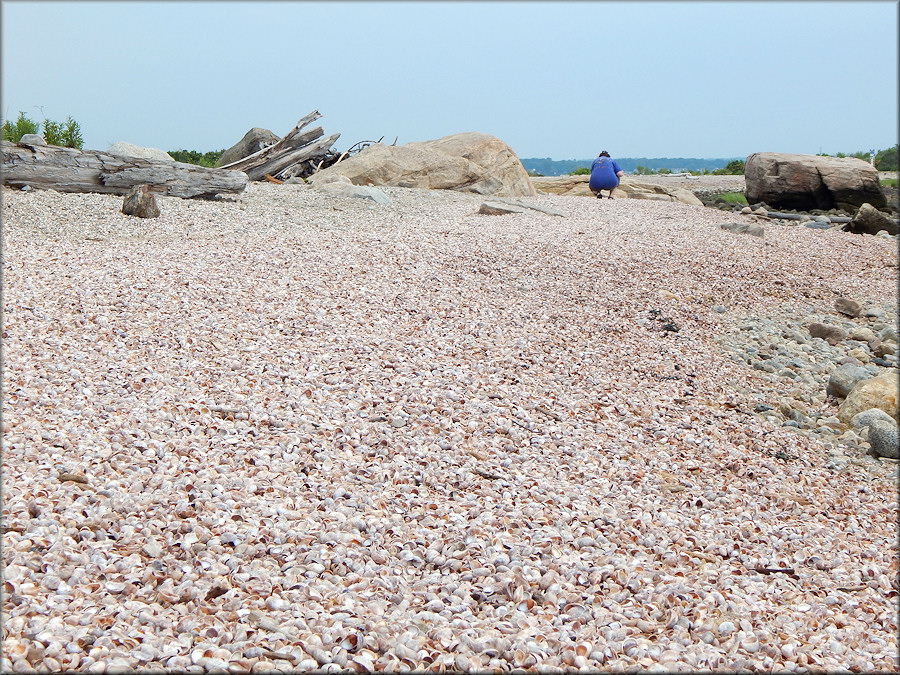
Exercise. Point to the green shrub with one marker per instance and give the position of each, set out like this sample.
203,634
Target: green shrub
580,171
886,160
207,159
734,168
67,134
14,132
643,171
71,134
664,171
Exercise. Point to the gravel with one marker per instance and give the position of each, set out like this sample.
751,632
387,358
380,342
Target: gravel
289,430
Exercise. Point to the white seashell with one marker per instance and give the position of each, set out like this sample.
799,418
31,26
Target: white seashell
15,648
750,645
364,661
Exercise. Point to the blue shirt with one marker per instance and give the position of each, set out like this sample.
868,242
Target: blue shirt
603,174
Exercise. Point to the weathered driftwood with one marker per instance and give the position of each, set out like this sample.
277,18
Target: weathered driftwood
69,170
280,165
281,157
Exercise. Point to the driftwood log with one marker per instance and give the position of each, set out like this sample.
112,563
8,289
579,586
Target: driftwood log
69,170
282,159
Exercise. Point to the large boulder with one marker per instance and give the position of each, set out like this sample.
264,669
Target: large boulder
806,182
253,141
124,149
468,162
876,392
577,186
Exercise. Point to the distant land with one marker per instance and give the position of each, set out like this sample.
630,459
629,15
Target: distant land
560,167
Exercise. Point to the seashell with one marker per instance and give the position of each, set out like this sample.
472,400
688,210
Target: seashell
523,659
321,656
14,648
351,642
751,645
364,661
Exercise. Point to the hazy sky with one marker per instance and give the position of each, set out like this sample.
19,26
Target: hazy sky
552,79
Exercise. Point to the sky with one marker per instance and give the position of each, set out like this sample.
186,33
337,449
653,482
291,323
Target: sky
562,80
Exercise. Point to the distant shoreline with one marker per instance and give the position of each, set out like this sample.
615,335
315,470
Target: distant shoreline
561,167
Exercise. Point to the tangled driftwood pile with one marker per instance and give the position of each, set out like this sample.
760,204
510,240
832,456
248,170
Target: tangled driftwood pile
299,153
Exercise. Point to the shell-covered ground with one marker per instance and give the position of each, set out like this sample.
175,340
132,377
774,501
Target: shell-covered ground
289,430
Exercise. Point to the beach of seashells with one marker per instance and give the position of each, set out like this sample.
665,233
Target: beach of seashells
287,431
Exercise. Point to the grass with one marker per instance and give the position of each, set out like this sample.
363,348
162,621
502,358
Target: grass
888,182
733,197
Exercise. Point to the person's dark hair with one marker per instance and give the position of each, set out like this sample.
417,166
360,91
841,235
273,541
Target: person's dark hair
603,154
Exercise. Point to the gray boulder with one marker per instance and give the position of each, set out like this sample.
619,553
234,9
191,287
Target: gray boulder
868,417
869,220
467,162
842,379
883,439
806,182
32,139
253,141
124,149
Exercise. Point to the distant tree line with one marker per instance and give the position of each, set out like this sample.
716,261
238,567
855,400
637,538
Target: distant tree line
207,159
885,160
563,167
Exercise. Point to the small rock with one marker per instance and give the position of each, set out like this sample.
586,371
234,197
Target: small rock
862,334
152,548
744,228
885,349
888,333
495,208
831,334
140,202
848,307
869,220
